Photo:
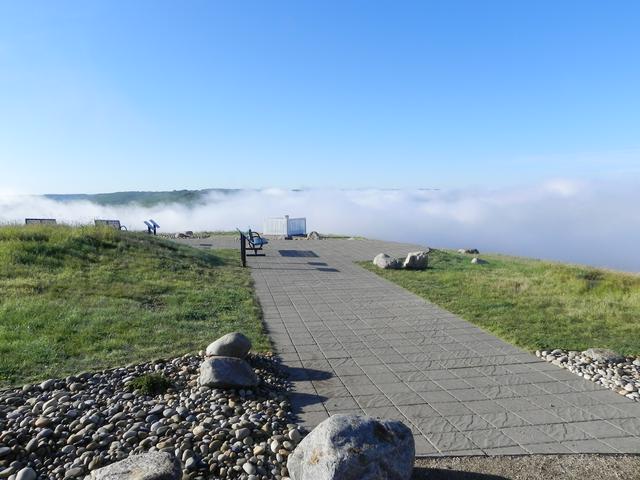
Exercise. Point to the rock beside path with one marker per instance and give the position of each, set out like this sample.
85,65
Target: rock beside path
603,355
354,447
382,260
226,372
233,344
148,466
416,260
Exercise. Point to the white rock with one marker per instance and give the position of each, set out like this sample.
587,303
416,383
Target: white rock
249,467
416,260
295,435
148,466
478,261
382,260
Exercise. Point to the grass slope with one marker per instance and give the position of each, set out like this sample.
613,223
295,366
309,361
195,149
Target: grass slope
73,299
530,303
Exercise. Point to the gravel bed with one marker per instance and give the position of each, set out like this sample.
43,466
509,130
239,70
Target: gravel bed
65,428
622,375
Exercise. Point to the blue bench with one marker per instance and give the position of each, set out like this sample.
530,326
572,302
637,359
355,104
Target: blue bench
253,240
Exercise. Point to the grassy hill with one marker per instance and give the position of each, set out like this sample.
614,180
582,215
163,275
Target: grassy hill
74,299
147,199
531,303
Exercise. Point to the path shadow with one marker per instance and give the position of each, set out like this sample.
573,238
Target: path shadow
262,267
318,264
305,374
328,269
297,253
422,473
301,401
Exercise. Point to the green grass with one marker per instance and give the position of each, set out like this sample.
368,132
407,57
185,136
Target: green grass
75,299
530,303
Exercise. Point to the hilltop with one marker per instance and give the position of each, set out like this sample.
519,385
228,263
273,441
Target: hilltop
146,199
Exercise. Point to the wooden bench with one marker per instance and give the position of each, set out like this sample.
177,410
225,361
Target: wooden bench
253,241
110,223
40,221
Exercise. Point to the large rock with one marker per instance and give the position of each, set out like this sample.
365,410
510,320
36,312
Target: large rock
314,236
383,260
603,355
354,447
230,345
416,260
147,466
226,372
472,251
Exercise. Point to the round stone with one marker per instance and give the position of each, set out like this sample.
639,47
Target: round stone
26,473
250,468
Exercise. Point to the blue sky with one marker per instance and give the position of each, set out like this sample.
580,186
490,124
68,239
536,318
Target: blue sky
120,95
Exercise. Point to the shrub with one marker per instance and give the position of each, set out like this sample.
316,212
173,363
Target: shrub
150,384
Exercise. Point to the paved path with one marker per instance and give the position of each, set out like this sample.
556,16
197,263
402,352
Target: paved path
357,343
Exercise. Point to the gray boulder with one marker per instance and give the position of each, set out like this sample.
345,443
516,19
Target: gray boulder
147,466
354,447
472,251
382,260
416,260
603,355
230,345
314,236
226,372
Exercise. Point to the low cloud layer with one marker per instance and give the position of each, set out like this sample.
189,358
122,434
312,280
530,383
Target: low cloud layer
591,223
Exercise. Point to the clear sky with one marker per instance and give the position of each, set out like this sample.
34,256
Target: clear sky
126,95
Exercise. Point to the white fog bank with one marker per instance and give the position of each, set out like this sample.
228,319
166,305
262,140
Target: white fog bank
592,223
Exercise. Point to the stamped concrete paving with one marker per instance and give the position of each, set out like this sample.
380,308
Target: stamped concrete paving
356,343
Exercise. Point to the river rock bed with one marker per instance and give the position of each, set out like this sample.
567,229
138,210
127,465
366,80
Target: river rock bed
620,374
65,428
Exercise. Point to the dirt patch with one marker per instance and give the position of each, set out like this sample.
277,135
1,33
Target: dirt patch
530,467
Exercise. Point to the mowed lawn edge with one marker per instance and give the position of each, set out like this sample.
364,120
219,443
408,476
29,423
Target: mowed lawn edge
74,299
533,304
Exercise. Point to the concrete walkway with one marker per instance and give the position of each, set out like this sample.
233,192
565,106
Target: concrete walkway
356,343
